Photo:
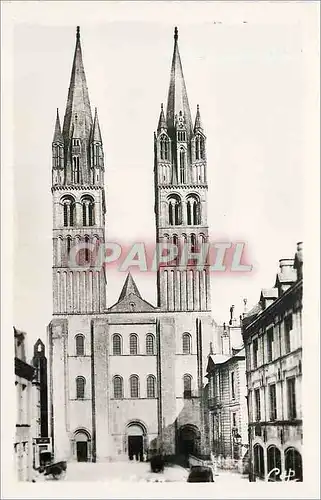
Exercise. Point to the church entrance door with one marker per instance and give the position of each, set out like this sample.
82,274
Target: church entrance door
135,442
82,451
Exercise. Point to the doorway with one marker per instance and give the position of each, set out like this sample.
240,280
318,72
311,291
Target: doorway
188,440
82,451
135,442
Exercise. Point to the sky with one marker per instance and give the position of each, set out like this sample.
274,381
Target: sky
247,75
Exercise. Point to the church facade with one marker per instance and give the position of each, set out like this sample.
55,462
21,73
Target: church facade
128,379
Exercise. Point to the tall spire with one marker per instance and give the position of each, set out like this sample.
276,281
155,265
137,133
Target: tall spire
78,104
161,121
57,134
177,102
96,134
198,123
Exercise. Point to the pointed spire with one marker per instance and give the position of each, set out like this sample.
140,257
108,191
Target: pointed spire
129,287
161,121
96,134
198,123
57,134
177,95
78,99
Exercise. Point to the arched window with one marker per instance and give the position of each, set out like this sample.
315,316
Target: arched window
134,386
68,245
150,341
164,147
293,461
116,345
193,211
88,211
199,147
187,381
274,462
133,344
151,386
174,210
80,345
80,387
118,387
193,243
86,248
68,211
182,164
175,242
258,460
186,343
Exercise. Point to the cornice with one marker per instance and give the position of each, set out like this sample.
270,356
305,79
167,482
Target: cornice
70,187
183,186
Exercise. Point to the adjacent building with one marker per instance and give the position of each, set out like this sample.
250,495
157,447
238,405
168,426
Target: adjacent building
227,404
272,334
27,397
129,378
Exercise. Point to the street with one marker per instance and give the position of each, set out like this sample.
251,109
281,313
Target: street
137,472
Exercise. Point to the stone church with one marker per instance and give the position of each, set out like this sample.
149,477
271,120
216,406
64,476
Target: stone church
128,379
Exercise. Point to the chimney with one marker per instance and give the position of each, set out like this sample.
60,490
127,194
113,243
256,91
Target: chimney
298,260
286,267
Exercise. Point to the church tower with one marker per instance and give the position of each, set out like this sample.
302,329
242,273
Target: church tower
181,199
78,201
79,284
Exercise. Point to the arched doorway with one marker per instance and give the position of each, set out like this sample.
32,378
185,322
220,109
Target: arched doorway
188,440
82,446
135,441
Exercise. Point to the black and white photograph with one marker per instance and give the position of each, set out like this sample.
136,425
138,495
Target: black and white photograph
160,249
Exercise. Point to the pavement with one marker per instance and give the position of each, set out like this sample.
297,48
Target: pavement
138,472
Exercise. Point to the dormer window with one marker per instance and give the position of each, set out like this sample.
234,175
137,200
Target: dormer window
181,136
76,142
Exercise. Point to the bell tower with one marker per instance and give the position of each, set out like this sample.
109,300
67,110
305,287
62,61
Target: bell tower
181,199
78,201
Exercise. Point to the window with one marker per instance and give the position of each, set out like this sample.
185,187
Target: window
274,462
182,163
86,248
186,343
257,404
233,385
134,386
293,462
151,383
291,398
118,387
234,420
193,243
255,350
133,344
187,380
270,344
193,211
80,387
288,325
80,345
68,211
199,147
150,344
164,147
88,211
174,210
258,460
68,245
76,169
272,398
116,345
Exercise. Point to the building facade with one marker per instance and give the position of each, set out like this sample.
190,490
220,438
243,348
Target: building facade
128,379
227,403
28,410
272,333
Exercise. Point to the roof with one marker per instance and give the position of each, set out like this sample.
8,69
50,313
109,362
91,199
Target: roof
130,299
